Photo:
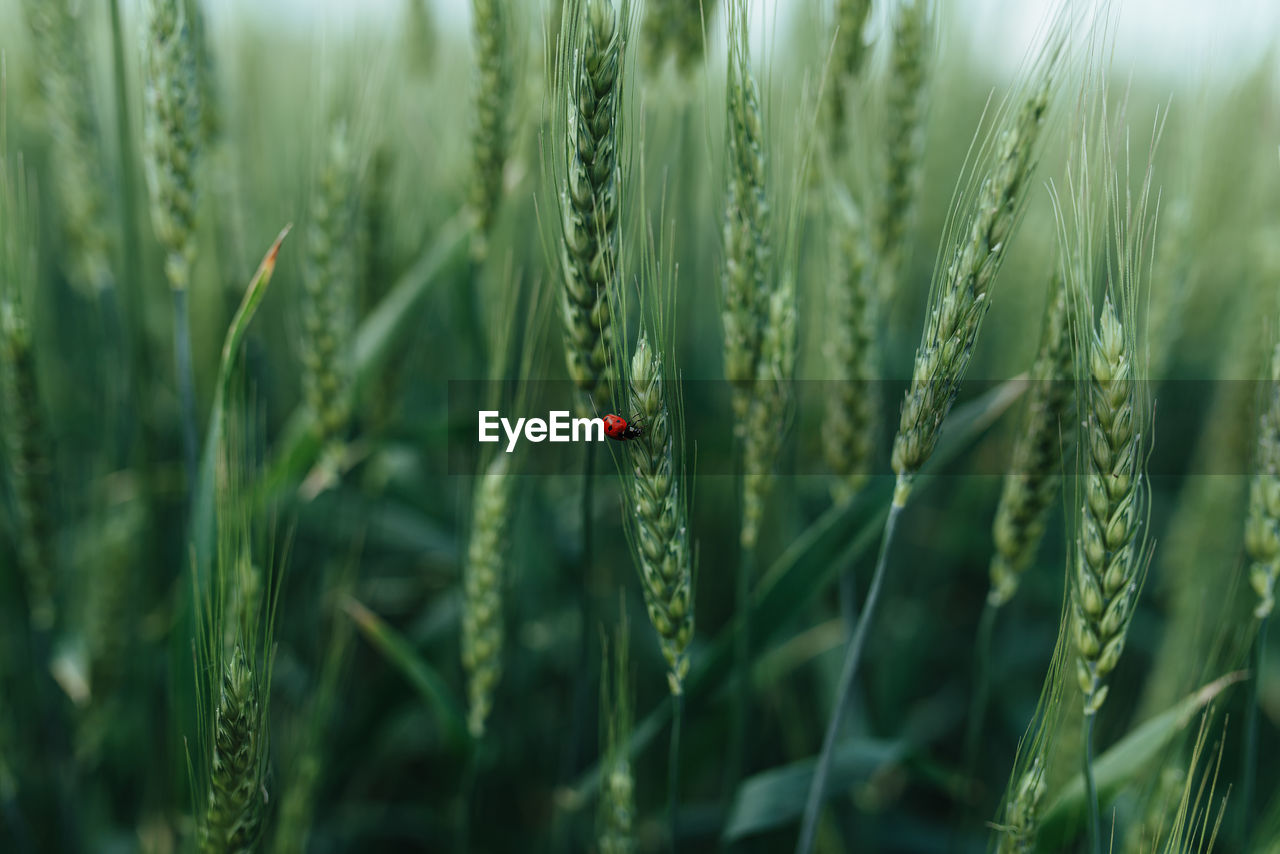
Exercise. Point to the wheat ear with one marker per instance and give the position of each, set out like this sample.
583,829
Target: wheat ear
1032,483
746,228
659,515
958,302
1021,815
172,134
904,139
482,584
768,411
589,202
329,289
172,117
958,306
58,32
235,656
489,140
1262,525
847,56
235,811
1108,560
852,409
28,443
27,437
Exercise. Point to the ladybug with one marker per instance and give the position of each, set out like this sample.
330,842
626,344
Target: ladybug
616,427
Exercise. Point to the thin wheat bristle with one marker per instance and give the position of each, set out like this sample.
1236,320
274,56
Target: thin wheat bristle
329,289
1262,526
659,516
746,229
1151,828
852,409
172,119
484,576
957,308
236,809
769,402
904,138
590,200
1032,483
489,140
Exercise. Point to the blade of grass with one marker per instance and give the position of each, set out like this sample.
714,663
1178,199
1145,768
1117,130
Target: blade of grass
776,797
425,680
202,516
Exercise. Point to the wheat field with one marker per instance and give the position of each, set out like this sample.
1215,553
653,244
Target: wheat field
919,481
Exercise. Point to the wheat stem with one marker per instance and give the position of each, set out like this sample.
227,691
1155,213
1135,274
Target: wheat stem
981,686
616,832
587,572
844,686
1091,787
740,718
1250,760
186,383
673,770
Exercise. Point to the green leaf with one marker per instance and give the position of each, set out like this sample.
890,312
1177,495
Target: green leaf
343,516
828,546
202,522
1119,766
424,679
775,797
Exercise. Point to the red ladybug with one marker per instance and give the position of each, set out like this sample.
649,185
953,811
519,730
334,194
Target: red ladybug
616,427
